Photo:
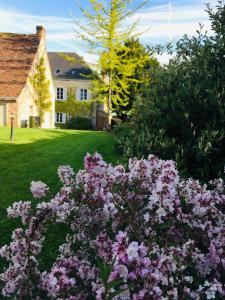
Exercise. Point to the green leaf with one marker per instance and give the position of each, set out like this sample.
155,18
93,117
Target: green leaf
115,283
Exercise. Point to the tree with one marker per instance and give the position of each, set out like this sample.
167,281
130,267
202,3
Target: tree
41,86
104,34
181,113
141,75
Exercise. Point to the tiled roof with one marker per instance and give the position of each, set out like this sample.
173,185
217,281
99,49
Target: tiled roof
68,65
17,53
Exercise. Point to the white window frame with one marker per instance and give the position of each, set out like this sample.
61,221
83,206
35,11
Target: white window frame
59,117
59,93
83,94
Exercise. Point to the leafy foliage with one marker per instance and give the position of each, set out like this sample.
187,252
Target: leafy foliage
33,122
181,114
41,86
79,122
74,107
134,50
103,34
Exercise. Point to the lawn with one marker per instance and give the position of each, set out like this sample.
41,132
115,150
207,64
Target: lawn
36,155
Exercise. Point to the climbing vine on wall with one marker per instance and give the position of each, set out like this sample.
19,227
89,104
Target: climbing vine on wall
41,86
74,107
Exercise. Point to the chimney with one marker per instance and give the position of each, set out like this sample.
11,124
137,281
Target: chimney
40,30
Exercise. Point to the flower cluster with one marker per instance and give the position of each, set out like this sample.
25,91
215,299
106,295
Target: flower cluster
137,233
38,189
65,174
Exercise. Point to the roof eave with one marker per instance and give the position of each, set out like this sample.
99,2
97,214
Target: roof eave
8,98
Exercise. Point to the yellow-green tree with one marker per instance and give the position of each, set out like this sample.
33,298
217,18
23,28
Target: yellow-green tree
141,75
41,86
104,33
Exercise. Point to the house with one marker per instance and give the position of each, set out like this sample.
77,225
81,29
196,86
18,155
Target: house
19,58
71,73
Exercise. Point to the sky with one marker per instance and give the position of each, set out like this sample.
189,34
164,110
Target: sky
166,20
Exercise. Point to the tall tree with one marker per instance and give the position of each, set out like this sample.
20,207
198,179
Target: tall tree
141,75
41,85
105,33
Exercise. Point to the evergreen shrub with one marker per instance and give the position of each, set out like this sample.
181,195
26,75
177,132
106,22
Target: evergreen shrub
80,123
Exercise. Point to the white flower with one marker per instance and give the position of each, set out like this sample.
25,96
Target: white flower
65,174
189,279
52,280
153,199
206,283
125,295
146,217
109,209
161,212
132,250
159,185
168,203
210,294
123,271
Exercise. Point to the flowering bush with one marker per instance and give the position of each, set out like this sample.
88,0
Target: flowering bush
141,233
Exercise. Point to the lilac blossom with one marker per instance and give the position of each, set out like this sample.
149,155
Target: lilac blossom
65,174
136,233
38,189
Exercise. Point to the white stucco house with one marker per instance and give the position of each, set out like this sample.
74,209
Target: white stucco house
70,72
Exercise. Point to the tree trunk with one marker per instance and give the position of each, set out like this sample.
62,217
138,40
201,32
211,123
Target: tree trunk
109,104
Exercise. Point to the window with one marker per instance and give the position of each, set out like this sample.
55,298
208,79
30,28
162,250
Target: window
83,94
59,117
59,95
58,71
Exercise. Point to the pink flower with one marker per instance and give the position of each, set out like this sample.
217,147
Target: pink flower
38,189
141,231
132,251
66,174
20,209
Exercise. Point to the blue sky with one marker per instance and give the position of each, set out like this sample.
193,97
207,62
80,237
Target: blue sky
167,19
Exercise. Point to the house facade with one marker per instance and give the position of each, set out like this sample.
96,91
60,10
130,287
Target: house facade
71,73
20,55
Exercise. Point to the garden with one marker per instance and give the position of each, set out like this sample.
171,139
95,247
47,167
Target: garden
36,154
135,233
137,213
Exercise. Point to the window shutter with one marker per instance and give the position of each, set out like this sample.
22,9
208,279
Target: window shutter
64,93
63,118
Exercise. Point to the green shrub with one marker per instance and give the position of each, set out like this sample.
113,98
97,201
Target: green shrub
61,125
122,133
80,123
34,122
181,114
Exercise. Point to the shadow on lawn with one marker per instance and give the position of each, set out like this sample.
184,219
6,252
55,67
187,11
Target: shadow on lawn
34,135
92,141
38,159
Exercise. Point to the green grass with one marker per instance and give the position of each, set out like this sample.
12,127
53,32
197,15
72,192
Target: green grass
36,154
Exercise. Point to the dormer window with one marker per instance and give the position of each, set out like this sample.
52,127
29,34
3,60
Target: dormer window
58,71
